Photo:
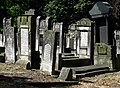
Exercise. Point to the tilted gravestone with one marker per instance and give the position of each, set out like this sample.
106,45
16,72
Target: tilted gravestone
49,53
9,36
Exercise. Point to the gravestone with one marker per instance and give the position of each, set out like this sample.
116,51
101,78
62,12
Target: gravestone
100,14
117,37
23,45
103,55
37,33
66,74
44,25
83,37
58,28
49,52
1,40
117,52
10,45
9,39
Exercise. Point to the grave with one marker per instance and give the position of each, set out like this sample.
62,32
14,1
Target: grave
28,53
49,52
117,48
83,39
23,50
102,54
103,35
9,35
58,28
44,25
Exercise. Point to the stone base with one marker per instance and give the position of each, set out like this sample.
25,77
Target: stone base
46,67
24,62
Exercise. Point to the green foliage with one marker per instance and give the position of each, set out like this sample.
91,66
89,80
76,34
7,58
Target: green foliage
67,11
83,4
14,10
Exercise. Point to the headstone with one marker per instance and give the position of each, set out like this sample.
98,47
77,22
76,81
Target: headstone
24,45
58,28
49,53
103,55
44,25
24,40
10,45
65,74
1,40
9,41
117,37
37,33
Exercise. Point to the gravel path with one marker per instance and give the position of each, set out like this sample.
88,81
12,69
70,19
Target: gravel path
15,76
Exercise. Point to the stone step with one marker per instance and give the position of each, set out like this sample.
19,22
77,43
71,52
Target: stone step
90,68
75,62
73,73
68,54
91,73
68,57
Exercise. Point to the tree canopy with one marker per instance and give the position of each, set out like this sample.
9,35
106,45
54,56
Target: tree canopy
67,11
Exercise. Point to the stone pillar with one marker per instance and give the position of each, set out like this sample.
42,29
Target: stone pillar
58,28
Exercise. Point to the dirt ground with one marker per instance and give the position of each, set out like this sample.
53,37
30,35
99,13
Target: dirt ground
16,76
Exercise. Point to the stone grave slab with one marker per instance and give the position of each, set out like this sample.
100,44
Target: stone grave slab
65,74
10,45
48,58
103,54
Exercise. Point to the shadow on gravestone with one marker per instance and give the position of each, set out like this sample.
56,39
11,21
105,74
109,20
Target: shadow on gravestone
49,52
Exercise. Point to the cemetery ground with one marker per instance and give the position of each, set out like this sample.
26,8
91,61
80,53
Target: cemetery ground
15,76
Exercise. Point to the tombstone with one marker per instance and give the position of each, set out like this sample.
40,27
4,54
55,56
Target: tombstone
9,39
1,40
23,45
44,25
117,49
49,52
66,74
37,33
117,37
103,34
58,28
103,55
100,14
83,37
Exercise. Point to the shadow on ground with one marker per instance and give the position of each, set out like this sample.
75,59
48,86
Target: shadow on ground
20,82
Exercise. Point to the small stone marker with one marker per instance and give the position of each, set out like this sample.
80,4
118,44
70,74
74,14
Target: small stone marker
65,74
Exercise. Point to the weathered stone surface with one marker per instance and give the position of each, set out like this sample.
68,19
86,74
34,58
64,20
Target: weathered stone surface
48,60
65,74
58,28
103,54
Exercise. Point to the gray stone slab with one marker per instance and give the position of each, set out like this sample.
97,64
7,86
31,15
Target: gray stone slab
49,53
9,42
65,74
